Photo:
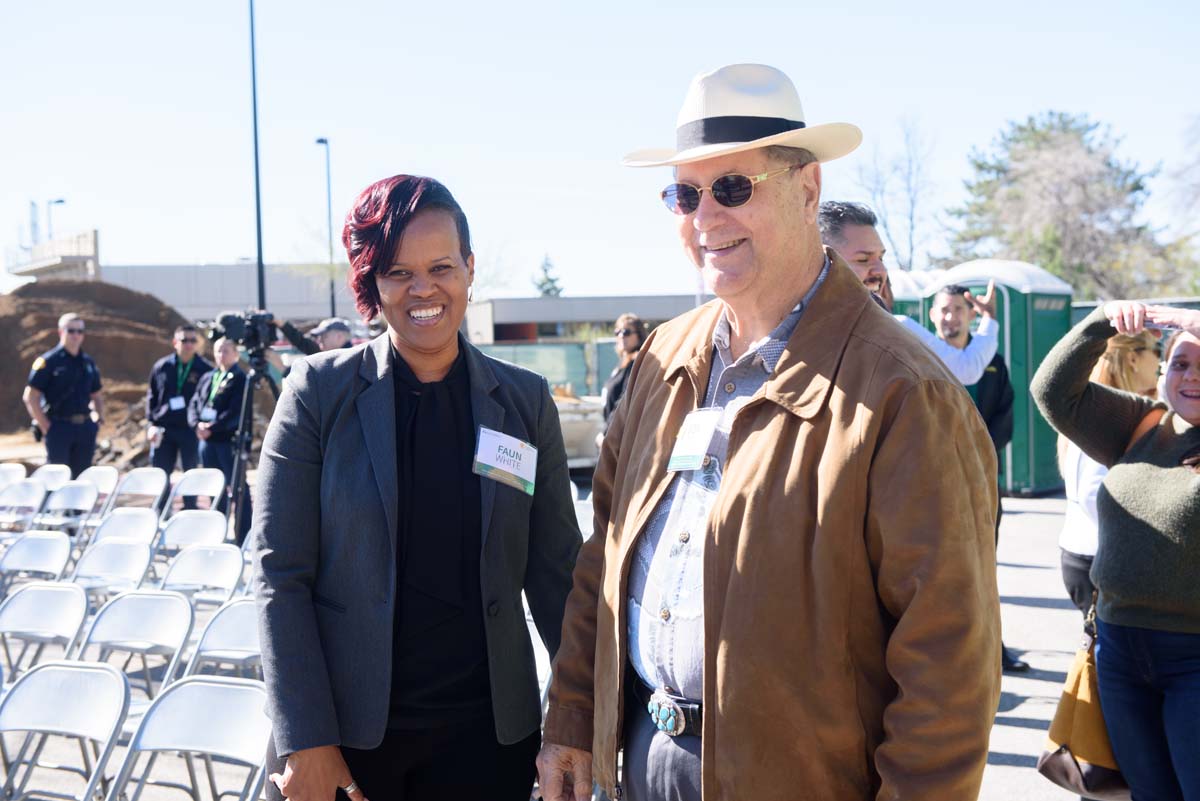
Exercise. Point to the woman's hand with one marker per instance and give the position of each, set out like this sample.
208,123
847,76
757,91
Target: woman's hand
1127,316
315,774
1172,317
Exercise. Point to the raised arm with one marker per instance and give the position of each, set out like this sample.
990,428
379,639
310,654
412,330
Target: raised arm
967,364
1097,418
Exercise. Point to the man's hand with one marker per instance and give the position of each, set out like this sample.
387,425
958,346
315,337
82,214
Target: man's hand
315,774
203,430
1172,317
986,305
564,774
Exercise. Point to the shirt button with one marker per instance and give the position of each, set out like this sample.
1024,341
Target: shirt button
665,613
493,609
684,536
730,387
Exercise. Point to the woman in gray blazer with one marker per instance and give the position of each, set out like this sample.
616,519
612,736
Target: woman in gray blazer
409,489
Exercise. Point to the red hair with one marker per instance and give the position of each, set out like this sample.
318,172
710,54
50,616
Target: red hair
376,223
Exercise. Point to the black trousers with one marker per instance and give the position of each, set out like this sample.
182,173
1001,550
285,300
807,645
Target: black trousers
464,763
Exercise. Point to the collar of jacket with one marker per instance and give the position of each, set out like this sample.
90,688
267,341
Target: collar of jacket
804,375
377,363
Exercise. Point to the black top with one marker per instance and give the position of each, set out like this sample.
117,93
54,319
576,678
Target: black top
439,649
66,382
993,396
614,388
171,379
225,402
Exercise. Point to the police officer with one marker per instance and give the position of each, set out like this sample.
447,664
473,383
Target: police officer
213,412
173,382
62,392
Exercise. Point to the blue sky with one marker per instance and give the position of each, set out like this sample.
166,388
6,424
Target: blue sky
138,113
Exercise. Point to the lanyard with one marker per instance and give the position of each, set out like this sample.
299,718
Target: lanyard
181,374
216,385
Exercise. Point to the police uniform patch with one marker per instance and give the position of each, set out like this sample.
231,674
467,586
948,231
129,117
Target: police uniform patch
39,363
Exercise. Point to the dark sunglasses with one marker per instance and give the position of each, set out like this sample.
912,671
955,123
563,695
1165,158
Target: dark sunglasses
624,332
731,191
1158,350
75,331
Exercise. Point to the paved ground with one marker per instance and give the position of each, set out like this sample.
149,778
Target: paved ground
1042,625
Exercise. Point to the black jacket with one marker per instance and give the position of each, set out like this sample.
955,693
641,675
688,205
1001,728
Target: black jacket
227,403
993,396
164,385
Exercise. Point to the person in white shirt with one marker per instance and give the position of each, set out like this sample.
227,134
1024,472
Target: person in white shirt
1129,363
849,228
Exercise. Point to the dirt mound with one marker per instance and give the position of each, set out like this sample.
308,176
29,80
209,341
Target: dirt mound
126,332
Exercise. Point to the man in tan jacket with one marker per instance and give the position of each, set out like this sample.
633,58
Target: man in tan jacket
790,589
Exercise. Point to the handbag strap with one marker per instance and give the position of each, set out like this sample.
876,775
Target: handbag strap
1148,422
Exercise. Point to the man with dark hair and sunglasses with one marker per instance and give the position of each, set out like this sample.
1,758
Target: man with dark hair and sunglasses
849,228
173,382
63,398
790,590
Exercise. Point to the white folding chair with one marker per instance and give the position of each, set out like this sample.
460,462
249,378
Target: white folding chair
52,476
11,473
584,517
142,486
111,566
128,523
84,702
105,477
67,507
141,623
230,638
19,502
541,657
40,554
213,716
192,527
208,574
38,614
199,482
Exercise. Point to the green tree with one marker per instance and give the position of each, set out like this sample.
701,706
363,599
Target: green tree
1052,191
546,282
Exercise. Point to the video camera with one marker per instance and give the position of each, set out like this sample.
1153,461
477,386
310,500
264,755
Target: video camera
253,330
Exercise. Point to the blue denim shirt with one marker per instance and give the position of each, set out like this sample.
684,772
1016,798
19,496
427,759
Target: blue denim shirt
666,581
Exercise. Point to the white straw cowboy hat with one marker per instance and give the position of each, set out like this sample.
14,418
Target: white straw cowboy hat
743,107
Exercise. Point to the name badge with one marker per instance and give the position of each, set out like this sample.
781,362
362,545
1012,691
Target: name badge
506,459
208,414
176,403
693,439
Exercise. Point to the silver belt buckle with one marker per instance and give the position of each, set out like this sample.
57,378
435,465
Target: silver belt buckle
666,714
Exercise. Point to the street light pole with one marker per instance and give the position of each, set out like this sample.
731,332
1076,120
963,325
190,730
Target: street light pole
329,219
50,204
262,280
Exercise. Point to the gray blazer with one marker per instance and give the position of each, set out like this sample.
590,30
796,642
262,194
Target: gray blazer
324,539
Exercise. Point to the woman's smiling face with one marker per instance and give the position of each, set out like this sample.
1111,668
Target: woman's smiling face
423,291
1181,378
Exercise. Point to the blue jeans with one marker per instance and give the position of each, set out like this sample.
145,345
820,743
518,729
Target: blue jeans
72,444
1150,694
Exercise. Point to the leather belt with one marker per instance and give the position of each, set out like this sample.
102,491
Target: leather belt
672,714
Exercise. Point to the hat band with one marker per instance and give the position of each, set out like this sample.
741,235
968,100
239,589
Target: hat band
719,130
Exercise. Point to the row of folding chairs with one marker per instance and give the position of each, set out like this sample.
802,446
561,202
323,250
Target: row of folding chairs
40,502
205,716
52,476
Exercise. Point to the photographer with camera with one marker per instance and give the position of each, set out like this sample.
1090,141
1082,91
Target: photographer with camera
215,414
331,333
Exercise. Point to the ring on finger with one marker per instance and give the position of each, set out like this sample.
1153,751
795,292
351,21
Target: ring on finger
350,788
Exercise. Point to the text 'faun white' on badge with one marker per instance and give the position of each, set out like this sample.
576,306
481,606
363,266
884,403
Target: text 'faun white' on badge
694,437
506,459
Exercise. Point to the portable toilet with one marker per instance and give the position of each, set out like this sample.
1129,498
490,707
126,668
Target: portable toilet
1033,309
908,290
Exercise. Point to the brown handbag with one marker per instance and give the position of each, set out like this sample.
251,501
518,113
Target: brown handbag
1078,755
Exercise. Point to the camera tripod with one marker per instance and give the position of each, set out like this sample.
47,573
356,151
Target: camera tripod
244,438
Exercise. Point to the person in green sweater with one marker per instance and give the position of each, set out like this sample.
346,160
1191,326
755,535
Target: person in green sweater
1147,566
